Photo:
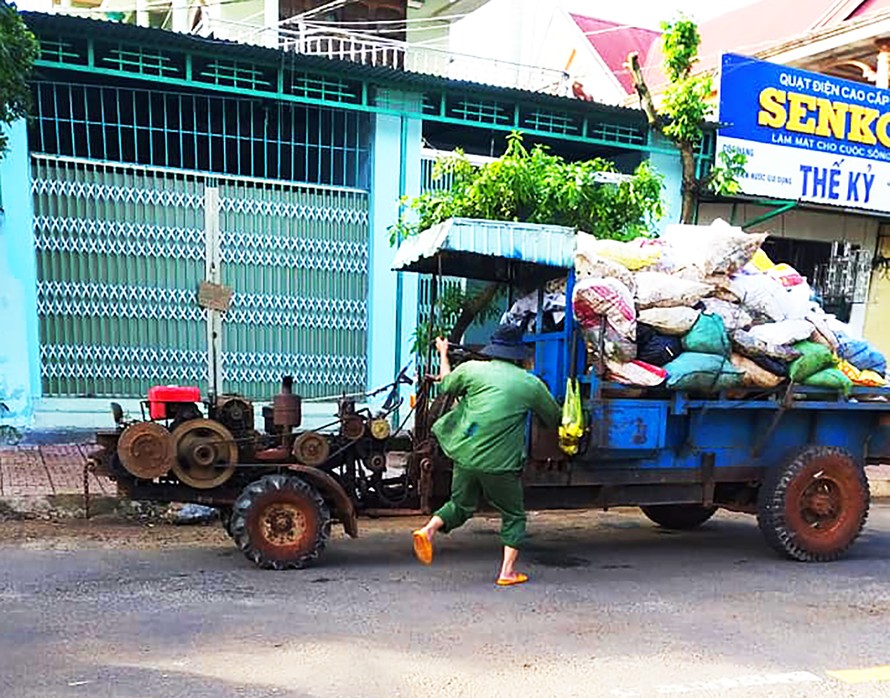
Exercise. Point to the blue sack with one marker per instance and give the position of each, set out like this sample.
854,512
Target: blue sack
863,355
702,373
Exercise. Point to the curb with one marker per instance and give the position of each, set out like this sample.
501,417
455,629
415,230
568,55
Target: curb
63,506
880,489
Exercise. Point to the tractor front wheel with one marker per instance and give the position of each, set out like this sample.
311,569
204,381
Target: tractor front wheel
815,507
280,522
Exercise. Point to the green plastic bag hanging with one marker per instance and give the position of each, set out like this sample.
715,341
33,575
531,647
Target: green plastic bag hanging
572,427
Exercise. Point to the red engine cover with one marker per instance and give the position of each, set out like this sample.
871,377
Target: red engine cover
160,395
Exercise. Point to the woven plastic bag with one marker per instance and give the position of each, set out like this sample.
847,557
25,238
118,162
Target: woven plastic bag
633,255
784,332
708,336
753,375
657,290
735,317
867,377
596,297
862,355
813,358
637,373
671,321
830,378
747,344
716,249
702,373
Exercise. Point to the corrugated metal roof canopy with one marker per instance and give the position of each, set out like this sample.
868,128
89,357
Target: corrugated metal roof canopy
45,23
489,250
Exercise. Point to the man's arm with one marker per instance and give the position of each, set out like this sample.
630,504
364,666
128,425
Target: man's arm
444,364
452,382
544,406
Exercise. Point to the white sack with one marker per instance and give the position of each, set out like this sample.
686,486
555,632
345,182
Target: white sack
734,316
760,294
672,321
785,332
715,249
656,290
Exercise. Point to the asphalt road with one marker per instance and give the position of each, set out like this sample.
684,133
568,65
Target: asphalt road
615,607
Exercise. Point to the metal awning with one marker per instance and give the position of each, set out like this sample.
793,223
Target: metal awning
489,250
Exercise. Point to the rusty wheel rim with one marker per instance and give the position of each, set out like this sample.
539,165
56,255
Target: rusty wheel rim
823,505
283,525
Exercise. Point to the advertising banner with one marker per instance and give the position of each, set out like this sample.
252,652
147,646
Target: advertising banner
807,136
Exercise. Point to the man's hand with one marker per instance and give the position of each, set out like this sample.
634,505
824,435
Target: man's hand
444,364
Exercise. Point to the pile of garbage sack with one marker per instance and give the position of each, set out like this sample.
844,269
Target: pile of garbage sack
704,309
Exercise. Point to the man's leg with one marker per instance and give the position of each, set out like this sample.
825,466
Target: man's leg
465,491
504,492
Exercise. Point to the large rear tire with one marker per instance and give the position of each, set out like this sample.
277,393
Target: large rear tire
280,522
679,517
813,509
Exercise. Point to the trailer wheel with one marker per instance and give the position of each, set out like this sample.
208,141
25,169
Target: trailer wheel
815,507
280,522
679,517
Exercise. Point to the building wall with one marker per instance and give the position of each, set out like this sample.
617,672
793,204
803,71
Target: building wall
877,328
802,224
19,364
533,33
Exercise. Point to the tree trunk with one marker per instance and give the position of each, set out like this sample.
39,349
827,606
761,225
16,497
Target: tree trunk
471,309
646,103
688,190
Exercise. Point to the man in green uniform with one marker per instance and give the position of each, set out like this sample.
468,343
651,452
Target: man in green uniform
484,435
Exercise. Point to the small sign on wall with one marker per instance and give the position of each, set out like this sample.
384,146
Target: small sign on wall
214,296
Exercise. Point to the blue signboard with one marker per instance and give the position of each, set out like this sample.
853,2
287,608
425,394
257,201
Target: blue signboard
806,136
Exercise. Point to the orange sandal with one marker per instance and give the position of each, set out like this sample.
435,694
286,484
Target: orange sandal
423,547
508,582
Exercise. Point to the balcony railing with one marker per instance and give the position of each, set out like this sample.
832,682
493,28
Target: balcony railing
374,50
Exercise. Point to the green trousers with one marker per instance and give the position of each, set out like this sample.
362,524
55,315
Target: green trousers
502,490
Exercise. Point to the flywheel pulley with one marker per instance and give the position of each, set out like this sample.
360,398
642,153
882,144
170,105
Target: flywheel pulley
147,450
206,453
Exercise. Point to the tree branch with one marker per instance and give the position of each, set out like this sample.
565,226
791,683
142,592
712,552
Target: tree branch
471,309
648,106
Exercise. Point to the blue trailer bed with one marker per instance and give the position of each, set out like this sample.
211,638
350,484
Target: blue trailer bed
793,455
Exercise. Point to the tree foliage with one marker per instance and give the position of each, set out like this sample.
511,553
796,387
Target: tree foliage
18,51
685,110
536,186
533,186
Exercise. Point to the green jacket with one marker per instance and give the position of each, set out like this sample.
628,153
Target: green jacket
486,430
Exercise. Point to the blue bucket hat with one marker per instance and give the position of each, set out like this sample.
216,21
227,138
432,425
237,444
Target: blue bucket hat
506,343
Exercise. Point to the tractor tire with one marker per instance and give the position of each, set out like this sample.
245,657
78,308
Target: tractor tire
280,522
679,517
813,508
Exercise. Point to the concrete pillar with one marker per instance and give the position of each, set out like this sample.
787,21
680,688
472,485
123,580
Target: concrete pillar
180,16
142,16
669,167
20,349
882,78
392,302
271,18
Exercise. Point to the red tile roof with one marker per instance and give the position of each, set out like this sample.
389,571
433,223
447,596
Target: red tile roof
760,25
614,41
